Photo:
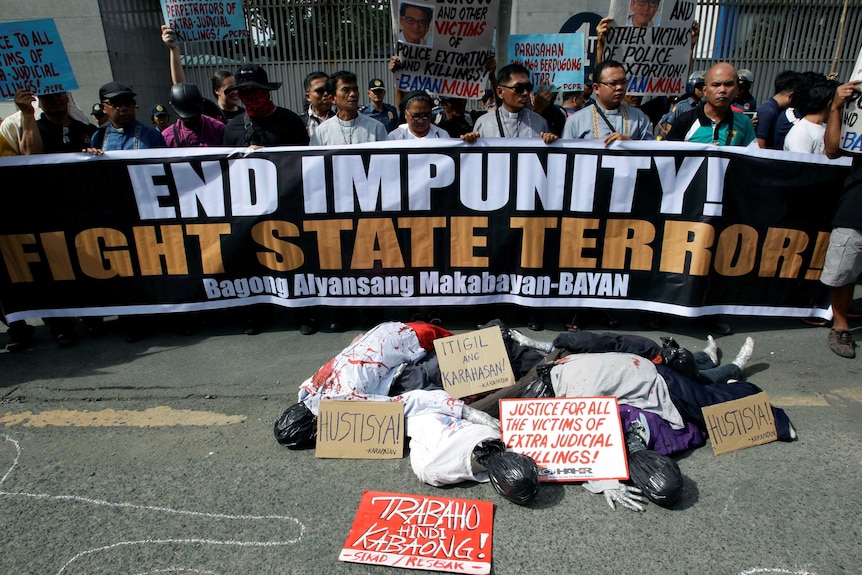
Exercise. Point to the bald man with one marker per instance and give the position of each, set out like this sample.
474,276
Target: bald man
715,122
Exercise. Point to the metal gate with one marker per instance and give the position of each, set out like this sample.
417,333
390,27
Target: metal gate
291,38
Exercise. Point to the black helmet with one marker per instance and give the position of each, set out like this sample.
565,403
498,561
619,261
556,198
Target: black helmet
187,100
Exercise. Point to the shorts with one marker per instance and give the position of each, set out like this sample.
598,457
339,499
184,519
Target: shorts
843,258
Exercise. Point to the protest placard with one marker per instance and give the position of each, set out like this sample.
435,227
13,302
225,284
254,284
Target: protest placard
196,21
741,423
851,127
421,532
32,57
552,59
360,430
443,47
569,438
474,362
652,39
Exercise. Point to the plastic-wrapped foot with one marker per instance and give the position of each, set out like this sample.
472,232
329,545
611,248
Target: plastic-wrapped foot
296,428
711,349
744,355
628,497
526,341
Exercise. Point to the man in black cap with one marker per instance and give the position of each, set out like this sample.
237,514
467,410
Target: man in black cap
384,113
263,123
122,131
160,116
193,128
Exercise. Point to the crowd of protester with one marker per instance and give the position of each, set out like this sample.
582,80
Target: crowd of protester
717,109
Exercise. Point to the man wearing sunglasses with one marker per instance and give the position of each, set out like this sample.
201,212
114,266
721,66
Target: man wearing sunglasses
609,119
122,131
319,101
513,118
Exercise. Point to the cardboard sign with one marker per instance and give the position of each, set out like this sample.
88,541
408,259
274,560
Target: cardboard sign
204,21
360,430
741,423
851,126
653,42
569,438
421,532
443,46
32,57
552,59
474,362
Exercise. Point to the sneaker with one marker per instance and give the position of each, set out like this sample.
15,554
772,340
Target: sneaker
308,327
841,342
716,323
21,337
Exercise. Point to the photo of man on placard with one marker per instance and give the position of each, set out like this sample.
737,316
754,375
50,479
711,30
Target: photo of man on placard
414,22
641,13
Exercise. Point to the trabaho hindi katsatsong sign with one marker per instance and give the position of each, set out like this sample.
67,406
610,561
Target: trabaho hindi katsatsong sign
421,532
196,21
443,47
32,57
552,59
569,438
652,39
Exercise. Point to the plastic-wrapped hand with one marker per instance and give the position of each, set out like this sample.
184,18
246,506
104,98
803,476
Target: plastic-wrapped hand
480,417
628,497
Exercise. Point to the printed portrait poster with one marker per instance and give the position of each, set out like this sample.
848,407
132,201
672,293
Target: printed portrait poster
421,532
443,47
569,438
555,60
196,21
652,39
851,126
32,57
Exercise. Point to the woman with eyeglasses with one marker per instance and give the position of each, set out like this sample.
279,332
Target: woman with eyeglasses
416,111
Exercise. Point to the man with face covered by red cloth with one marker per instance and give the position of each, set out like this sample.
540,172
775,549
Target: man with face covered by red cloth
263,123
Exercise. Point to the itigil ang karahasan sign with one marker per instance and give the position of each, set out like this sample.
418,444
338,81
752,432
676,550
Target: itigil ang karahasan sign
675,228
421,532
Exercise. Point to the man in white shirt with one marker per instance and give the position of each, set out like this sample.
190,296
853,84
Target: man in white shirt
513,118
609,120
806,135
348,126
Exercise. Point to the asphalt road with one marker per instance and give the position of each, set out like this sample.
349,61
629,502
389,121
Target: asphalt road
159,457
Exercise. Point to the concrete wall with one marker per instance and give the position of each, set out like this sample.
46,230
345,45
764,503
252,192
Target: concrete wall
80,26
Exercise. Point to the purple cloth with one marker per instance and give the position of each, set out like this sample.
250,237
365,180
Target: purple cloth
662,437
209,133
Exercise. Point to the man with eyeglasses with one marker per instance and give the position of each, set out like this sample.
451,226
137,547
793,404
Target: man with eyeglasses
609,119
319,102
642,13
415,21
513,118
122,131
384,113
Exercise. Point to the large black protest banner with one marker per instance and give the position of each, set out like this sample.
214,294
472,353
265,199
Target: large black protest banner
678,228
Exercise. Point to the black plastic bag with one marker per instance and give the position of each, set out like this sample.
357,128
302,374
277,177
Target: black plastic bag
541,386
678,358
297,427
513,475
657,475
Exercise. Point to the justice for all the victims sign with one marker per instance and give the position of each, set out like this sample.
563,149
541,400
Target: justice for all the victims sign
569,438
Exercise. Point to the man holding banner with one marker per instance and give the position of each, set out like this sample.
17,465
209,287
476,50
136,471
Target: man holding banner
609,120
843,263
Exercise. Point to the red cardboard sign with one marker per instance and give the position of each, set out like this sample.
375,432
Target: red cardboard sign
421,532
570,438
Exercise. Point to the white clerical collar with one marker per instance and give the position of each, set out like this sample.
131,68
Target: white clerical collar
607,111
511,115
